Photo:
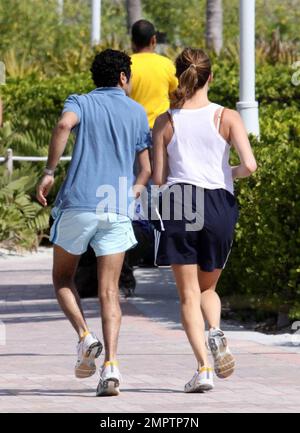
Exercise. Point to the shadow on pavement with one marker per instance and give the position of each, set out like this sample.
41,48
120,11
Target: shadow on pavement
48,392
156,298
35,354
78,392
153,391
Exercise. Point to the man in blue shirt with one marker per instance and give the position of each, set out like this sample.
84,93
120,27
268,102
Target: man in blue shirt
96,201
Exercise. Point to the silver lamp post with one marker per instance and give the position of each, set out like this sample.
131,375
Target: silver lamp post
96,22
60,9
248,106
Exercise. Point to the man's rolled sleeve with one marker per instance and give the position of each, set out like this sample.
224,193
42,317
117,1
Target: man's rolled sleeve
144,137
72,105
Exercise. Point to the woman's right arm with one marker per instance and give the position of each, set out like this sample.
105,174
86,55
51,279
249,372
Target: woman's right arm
160,157
238,137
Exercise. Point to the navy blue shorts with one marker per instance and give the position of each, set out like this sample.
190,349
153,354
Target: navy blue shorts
209,244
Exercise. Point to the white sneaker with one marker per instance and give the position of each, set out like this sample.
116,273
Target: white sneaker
201,381
87,350
110,377
223,359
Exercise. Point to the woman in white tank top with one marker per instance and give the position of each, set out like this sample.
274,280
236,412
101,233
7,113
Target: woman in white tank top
192,144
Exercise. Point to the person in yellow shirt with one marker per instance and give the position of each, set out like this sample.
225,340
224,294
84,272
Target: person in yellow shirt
152,81
153,75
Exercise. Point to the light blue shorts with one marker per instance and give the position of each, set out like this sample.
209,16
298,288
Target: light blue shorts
106,233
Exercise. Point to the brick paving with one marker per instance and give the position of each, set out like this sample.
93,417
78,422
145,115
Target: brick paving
38,359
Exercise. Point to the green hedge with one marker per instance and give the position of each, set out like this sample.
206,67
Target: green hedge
30,102
23,222
273,85
264,265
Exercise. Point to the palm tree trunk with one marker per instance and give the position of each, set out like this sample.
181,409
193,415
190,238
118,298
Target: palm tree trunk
134,12
214,25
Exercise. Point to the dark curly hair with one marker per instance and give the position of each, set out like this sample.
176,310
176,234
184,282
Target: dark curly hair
107,67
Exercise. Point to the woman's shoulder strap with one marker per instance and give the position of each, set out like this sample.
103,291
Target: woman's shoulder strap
170,116
220,117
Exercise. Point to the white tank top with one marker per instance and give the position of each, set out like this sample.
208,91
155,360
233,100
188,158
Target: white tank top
197,153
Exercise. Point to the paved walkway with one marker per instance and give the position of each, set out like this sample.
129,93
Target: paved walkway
38,359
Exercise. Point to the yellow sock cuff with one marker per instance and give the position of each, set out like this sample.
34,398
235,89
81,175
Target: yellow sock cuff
108,363
82,336
202,369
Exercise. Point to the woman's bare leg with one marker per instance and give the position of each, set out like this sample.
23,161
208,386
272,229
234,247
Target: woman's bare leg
210,301
190,298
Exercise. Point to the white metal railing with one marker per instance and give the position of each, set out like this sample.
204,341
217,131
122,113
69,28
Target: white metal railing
10,158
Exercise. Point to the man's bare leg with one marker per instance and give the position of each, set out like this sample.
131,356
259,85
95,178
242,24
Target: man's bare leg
64,268
109,270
